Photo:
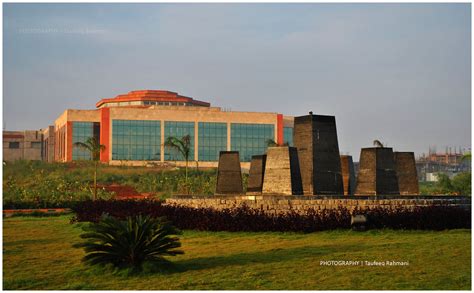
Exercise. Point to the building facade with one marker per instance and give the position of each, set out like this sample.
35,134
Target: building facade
24,145
133,127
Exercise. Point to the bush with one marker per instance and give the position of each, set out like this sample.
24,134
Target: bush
247,219
129,243
35,184
459,185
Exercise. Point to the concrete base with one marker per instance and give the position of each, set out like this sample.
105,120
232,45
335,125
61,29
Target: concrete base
229,176
282,172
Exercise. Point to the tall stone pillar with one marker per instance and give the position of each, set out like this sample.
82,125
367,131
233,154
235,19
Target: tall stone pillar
315,137
377,175
348,175
406,172
229,176
256,174
282,172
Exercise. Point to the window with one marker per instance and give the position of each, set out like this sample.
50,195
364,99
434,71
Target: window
250,139
35,144
14,145
81,132
288,135
212,140
136,140
179,130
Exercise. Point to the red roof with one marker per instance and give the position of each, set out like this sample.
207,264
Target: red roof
152,95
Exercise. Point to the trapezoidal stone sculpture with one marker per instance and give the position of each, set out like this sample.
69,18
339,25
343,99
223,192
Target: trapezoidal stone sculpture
282,172
256,174
348,175
377,173
405,167
229,176
315,137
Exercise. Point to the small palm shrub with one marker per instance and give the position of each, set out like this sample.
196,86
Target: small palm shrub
129,243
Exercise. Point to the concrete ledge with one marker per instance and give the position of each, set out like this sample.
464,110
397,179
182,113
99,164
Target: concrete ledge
312,197
300,204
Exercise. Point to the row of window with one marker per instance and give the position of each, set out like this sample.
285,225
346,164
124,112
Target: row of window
81,132
141,139
16,144
212,139
136,140
250,139
288,135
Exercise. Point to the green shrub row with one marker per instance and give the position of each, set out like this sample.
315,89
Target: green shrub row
34,184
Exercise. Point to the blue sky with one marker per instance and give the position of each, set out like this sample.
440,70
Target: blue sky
400,73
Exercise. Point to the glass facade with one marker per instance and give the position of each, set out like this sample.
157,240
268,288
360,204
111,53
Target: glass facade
212,139
250,139
136,140
178,129
81,131
288,135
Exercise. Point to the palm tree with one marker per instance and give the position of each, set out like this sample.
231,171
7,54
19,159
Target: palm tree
94,147
183,146
271,143
129,243
378,144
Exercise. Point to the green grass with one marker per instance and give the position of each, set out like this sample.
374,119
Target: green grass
38,254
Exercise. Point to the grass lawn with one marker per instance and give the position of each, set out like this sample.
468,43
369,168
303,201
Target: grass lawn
38,254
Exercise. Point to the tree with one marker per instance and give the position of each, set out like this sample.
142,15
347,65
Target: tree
93,146
129,243
461,183
444,183
183,146
466,157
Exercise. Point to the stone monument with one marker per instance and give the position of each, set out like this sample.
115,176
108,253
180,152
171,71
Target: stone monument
282,172
406,172
256,174
315,137
229,176
377,173
348,175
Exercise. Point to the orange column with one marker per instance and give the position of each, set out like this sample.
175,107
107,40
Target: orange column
280,128
105,134
69,141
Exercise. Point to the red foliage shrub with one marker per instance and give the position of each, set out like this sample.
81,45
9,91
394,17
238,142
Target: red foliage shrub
247,219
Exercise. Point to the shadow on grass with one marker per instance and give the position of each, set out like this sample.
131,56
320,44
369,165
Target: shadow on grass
167,267
270,256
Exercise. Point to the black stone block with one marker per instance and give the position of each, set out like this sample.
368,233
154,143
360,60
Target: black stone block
315,137
229,176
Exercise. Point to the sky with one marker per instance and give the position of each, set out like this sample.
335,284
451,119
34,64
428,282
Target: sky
399,73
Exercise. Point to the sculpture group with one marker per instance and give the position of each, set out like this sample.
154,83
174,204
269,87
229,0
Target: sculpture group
315,167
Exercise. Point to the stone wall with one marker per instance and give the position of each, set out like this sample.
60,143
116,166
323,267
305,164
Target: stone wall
284,204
